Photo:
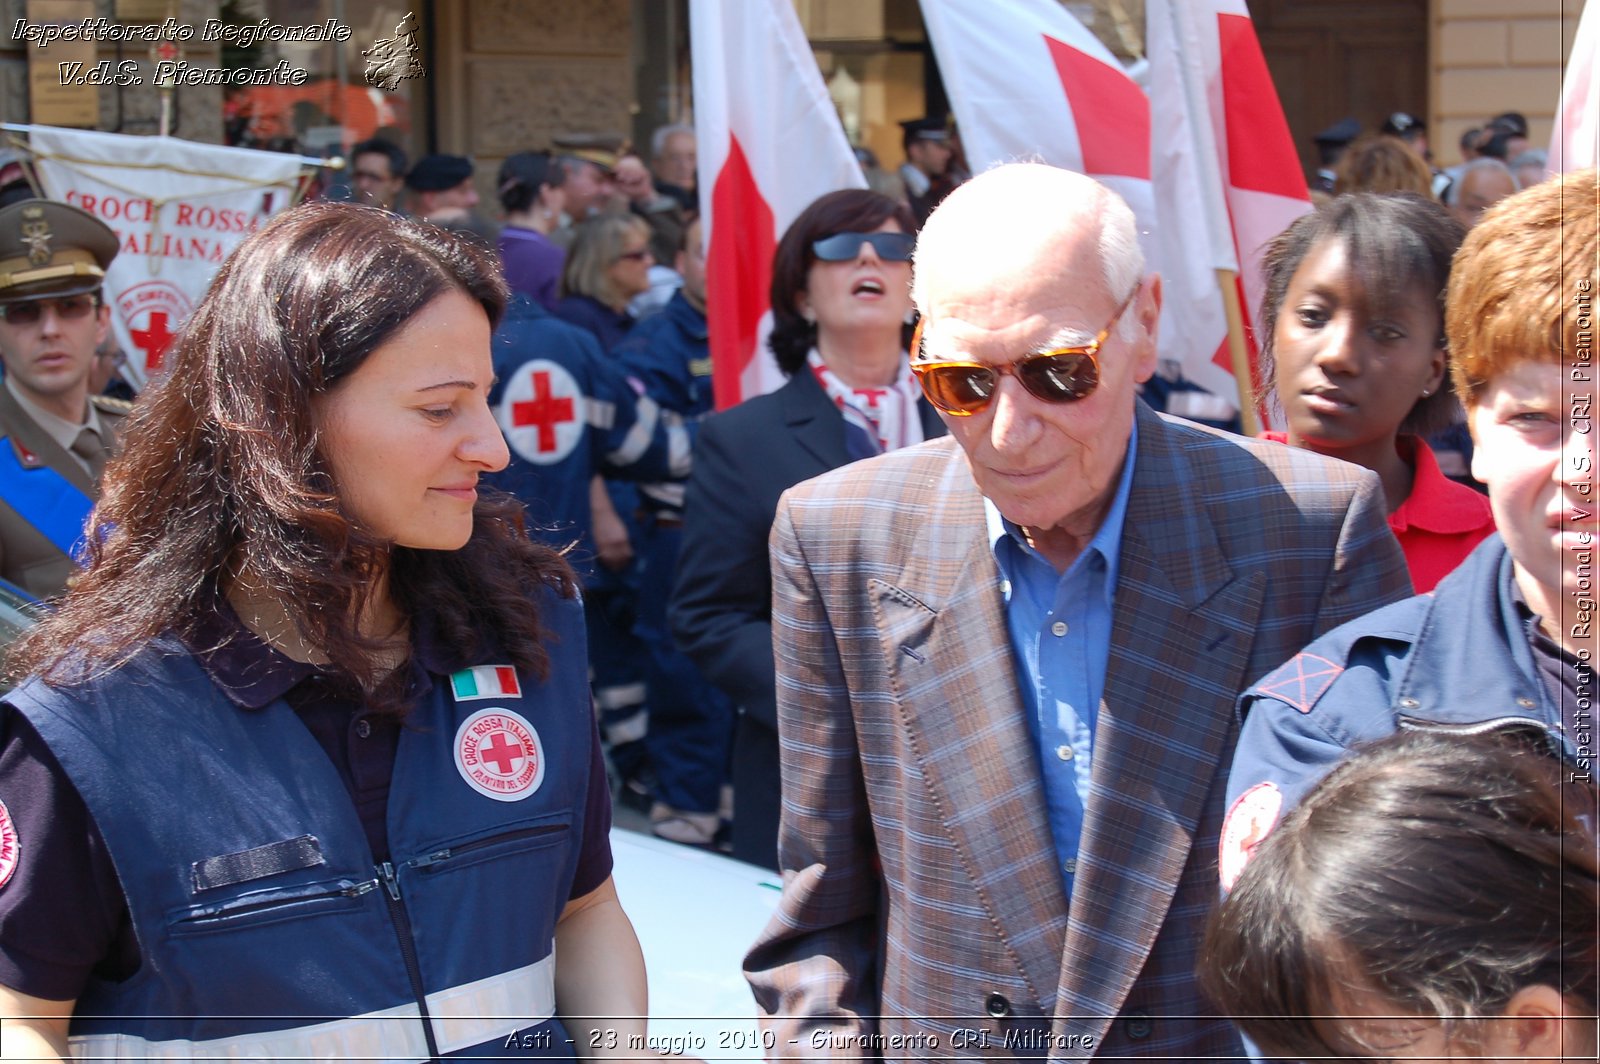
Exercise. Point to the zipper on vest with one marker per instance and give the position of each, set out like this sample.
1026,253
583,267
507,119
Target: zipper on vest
231,912
427,862
408,952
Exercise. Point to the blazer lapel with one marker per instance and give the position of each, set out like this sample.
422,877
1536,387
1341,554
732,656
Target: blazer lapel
953,678
817,425
1182,628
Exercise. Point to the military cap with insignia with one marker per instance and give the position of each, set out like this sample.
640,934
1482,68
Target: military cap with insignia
435,173
50,249
602,149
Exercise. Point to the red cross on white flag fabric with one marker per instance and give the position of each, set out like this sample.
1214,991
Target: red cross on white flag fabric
1575,137
1228,176
770,142
1028,81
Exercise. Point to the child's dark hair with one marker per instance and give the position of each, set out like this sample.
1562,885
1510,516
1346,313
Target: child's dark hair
1439,873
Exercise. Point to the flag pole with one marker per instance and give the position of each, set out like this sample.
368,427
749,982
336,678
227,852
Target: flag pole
1243,379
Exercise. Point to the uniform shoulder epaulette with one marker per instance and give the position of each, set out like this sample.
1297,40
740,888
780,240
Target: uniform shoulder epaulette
1301,681
111,404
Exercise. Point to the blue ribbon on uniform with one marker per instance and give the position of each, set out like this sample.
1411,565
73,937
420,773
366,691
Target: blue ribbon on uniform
46,500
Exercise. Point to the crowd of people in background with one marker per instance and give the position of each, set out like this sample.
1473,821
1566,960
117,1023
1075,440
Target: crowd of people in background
920,757
602,239
595,233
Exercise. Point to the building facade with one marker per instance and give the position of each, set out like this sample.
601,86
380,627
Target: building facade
500,76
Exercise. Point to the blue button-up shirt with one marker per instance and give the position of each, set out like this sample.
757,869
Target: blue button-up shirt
1060,626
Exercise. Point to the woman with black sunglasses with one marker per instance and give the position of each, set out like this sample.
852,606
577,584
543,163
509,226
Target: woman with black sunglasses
840,303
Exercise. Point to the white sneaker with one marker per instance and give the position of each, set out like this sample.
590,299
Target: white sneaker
677,825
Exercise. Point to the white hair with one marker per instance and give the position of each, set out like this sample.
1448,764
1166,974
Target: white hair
1121,257
1535,159
658,139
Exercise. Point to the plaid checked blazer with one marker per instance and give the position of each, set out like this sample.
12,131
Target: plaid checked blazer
921,894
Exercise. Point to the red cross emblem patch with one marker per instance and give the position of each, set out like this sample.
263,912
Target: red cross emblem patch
499,755
10,846
1249,822
542,412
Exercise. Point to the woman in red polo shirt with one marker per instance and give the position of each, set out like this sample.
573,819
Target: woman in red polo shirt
1354,349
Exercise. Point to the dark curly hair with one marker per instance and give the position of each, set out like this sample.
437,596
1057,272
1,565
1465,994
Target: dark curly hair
851,210
222,470
1396,243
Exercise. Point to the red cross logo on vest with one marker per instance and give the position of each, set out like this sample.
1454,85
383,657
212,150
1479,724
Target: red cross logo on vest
501,752
542,412
499,755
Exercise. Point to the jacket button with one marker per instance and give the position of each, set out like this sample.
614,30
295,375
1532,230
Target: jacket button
997,1006
1409,703
1138,1025
1525,702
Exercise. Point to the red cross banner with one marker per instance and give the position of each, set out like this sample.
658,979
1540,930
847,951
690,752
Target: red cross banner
178,207
770,143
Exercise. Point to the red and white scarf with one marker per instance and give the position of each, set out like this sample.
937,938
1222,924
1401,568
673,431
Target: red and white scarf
888,414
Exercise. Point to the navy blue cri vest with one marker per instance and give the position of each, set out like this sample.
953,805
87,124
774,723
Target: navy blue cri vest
265,930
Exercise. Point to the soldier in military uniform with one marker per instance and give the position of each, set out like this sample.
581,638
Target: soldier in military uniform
56,436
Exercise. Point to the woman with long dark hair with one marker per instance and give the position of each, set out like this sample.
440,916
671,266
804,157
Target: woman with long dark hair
305,764
840,302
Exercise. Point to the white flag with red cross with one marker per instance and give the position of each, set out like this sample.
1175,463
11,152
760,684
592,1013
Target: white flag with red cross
770,142
1575,137
1227,173
178,207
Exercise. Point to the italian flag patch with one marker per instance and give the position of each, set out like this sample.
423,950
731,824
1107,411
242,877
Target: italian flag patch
485,681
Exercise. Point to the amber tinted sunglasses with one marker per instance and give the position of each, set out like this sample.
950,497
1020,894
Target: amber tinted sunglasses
962,387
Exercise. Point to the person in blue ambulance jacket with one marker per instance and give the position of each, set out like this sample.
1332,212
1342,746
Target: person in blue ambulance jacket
304,767
568,411
1508,641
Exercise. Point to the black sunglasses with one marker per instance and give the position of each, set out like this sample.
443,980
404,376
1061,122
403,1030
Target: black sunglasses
963,387
842,247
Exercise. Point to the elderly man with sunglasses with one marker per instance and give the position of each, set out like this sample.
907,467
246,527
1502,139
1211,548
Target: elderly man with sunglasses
1007,662
53,259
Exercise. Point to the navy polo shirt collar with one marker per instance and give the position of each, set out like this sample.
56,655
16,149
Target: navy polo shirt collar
253,674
